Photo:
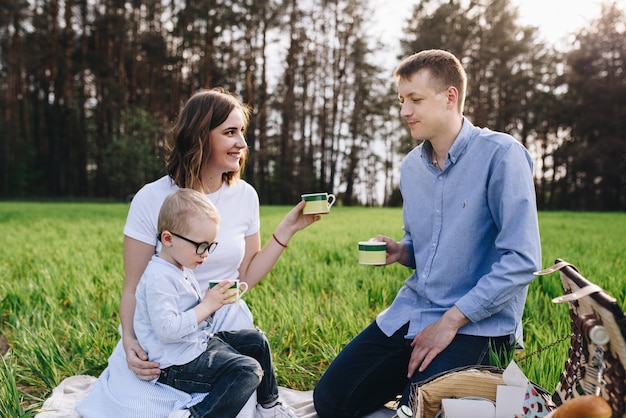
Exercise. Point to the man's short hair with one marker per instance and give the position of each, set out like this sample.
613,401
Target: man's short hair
445,69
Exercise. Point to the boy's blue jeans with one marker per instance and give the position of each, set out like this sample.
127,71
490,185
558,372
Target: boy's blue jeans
233,366
372,370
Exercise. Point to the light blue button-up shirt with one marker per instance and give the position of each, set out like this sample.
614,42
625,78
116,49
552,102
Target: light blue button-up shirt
473,235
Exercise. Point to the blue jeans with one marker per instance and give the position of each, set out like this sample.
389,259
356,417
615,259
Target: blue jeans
233,366
372,370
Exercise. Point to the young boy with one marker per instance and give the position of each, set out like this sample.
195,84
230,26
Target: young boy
173,320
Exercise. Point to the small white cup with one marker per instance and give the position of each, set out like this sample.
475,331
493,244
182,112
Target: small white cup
372,252
317,203
241,287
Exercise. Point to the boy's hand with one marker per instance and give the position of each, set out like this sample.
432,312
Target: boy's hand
215,298
220,295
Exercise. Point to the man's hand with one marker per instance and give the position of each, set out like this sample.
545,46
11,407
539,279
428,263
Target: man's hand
434,339
396,251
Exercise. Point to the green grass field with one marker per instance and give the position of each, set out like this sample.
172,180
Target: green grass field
61,276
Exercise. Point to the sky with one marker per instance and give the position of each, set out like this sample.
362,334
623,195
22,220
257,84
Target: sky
554,18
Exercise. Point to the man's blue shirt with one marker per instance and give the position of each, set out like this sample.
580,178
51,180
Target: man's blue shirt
473,234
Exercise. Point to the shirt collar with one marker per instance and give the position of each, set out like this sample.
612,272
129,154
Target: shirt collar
459,145
462,141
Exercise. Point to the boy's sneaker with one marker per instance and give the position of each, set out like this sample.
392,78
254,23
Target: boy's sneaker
277,411
184,413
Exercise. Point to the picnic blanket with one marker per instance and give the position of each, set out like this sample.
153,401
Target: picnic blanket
72,390
115,393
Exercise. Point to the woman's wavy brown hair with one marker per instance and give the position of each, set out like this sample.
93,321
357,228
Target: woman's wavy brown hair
189,145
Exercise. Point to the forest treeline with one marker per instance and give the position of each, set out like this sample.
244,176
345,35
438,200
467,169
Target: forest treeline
89,89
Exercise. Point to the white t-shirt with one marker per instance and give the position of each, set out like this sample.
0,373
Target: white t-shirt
238,205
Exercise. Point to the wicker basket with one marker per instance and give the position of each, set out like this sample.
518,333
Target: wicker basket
464,382
588,303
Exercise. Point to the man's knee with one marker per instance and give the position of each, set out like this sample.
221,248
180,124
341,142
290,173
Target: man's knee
321,403
326,401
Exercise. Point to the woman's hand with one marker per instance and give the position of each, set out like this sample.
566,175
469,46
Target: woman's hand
137,360
295,220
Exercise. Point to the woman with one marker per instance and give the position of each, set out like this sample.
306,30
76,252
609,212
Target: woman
207,153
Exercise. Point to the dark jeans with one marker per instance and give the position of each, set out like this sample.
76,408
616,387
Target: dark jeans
372,369
233,366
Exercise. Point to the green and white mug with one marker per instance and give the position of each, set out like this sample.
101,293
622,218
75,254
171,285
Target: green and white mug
317,203
241,287
372,252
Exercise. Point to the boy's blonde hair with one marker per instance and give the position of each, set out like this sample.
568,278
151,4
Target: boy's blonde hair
182,204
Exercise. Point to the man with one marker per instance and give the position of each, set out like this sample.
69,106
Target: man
470,234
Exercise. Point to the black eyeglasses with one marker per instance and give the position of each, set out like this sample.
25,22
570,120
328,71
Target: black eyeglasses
201,247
